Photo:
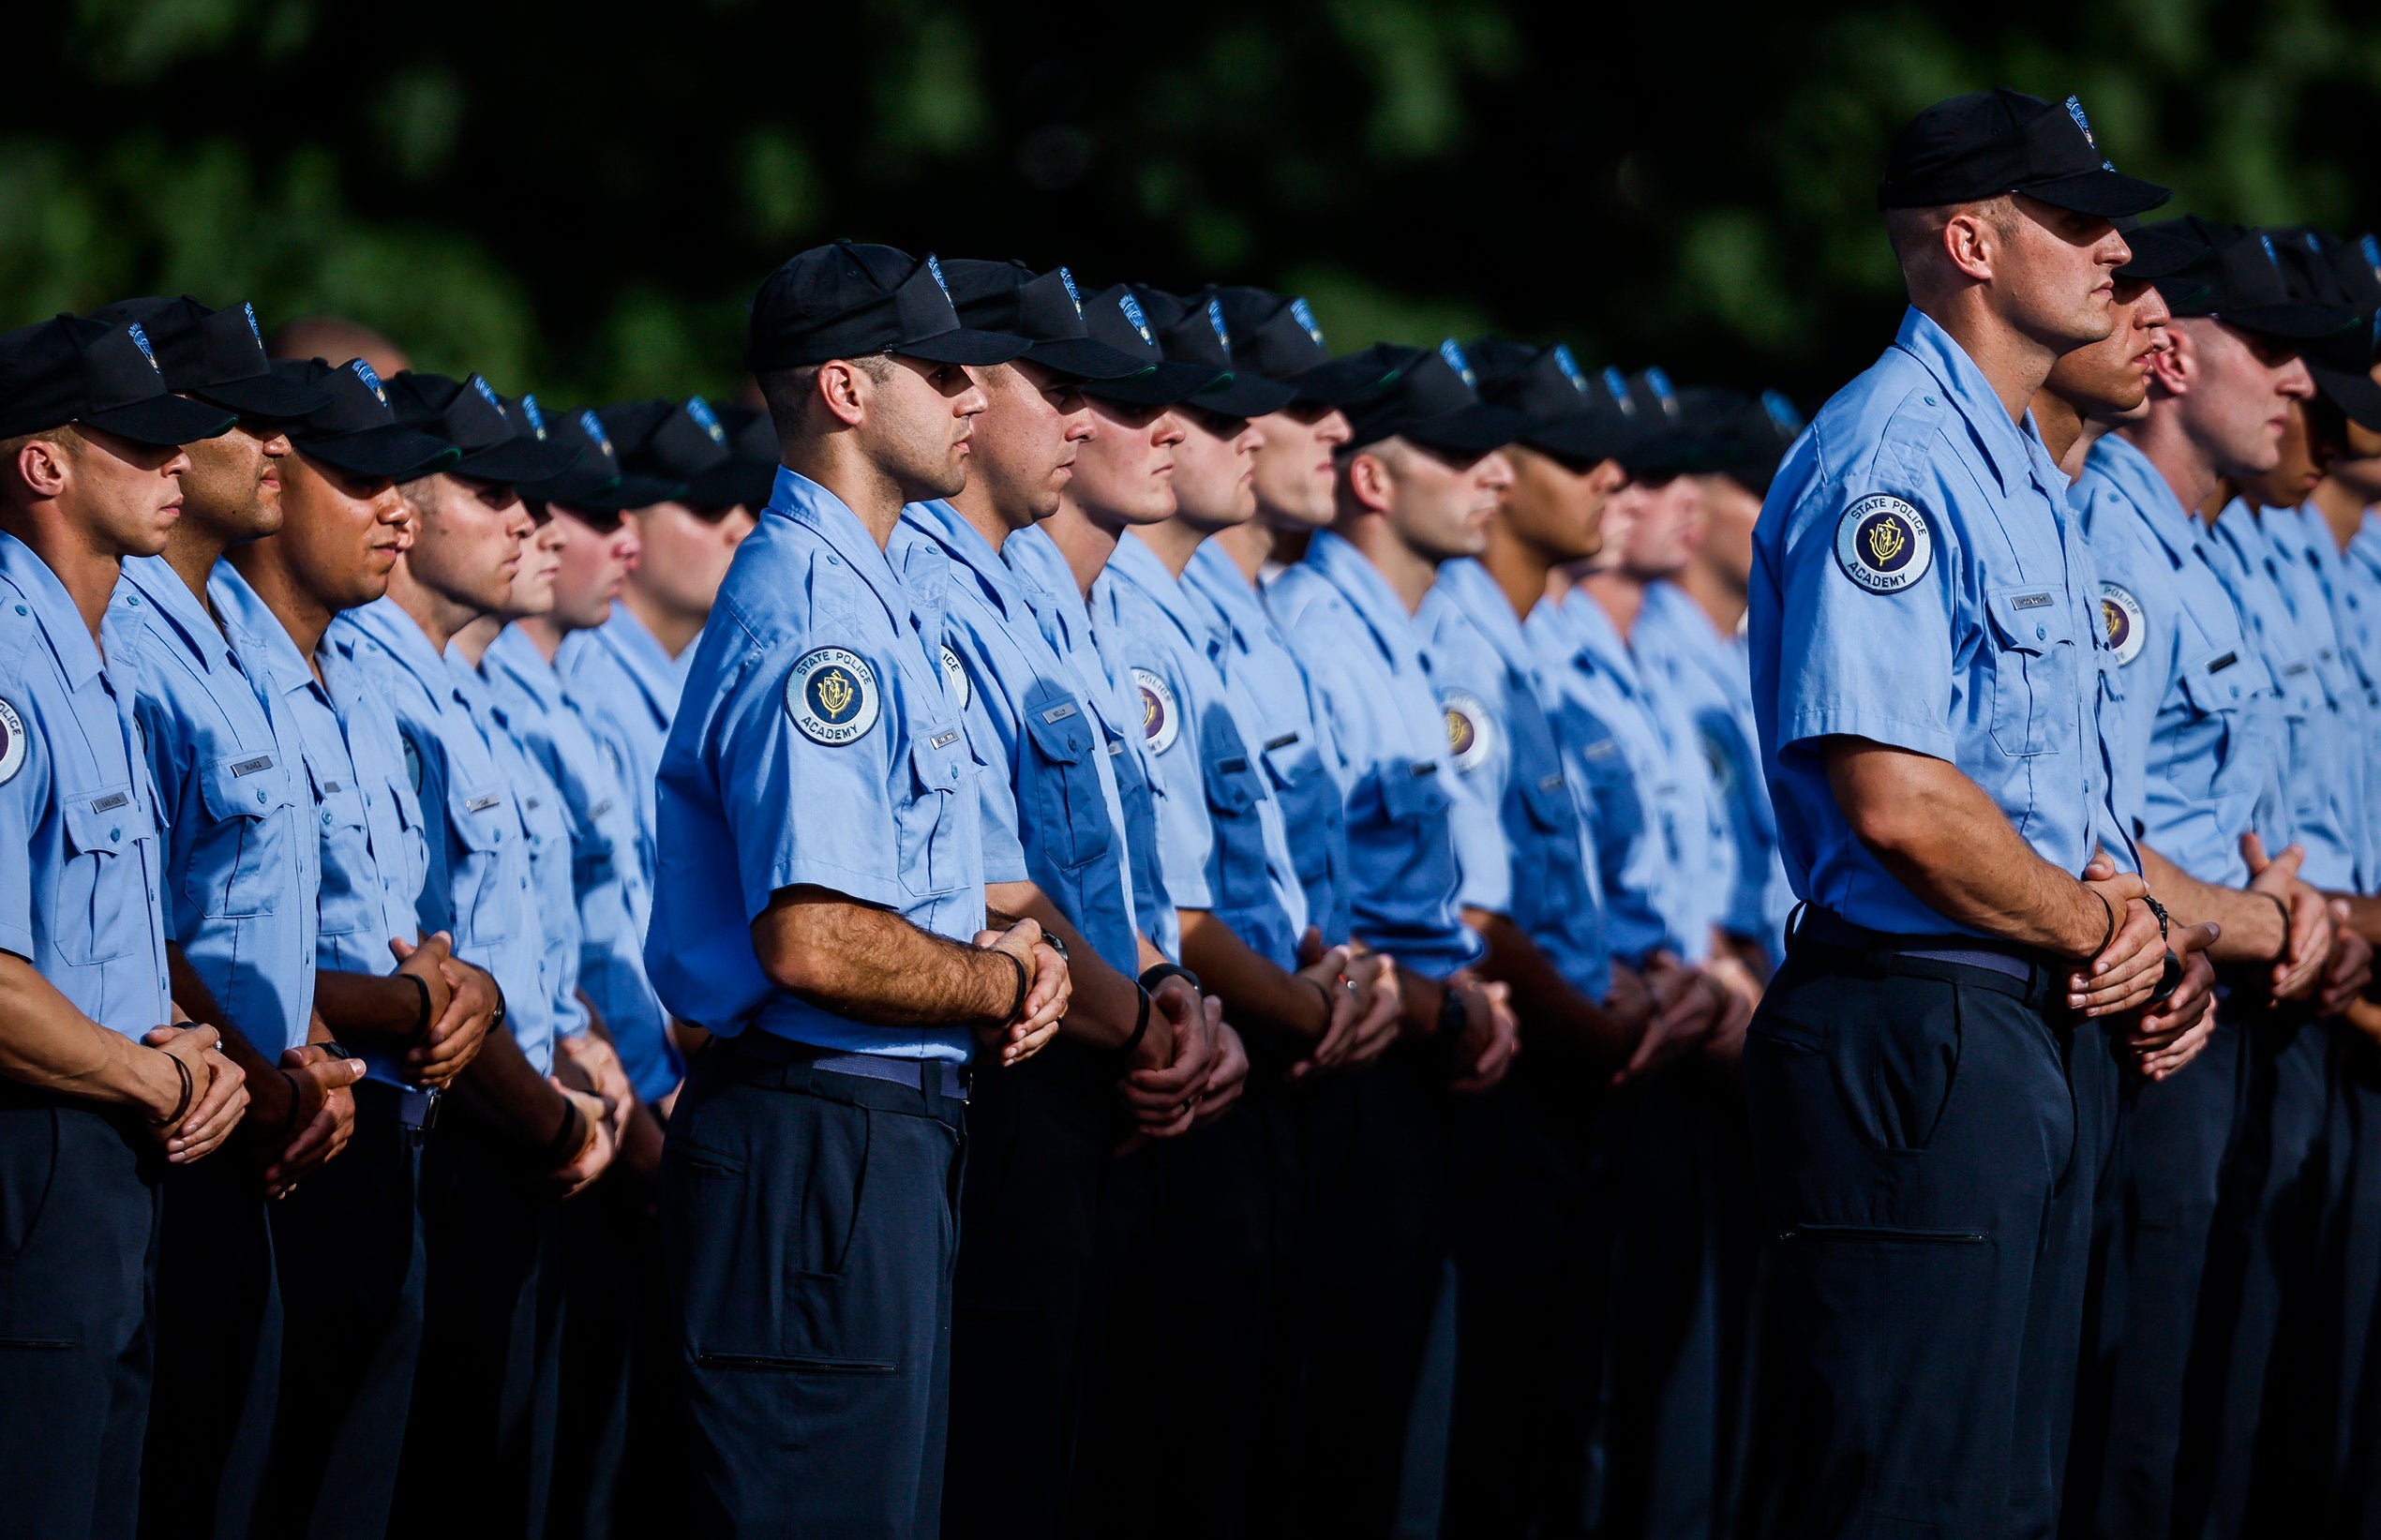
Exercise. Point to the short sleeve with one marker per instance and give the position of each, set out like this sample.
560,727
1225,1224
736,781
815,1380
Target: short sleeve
805,740
997,795
1185,837
1475,810
24,794
1868,580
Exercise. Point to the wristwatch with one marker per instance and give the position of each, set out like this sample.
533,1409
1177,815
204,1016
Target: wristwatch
1454,1014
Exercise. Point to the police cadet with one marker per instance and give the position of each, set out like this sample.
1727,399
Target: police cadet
347,1242
632,667
1056,849
1924,678
94,1080
240,869
1527,1229
482,1380
821,883
1416,481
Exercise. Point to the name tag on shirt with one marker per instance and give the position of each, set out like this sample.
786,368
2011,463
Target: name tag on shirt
2220,664
1282,742
1057,713
481,805
942,741
111,801
249,766
2031,601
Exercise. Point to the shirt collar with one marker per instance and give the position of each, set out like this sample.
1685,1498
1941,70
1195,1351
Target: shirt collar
385,622
1134,562
1474,590
1359,582
2138,479
245,613
798,499
513,654
161,590
1218,579
53,608
1595,636
963,546
2014,452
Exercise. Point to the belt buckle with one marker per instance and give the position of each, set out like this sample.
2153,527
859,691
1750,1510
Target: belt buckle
417,1109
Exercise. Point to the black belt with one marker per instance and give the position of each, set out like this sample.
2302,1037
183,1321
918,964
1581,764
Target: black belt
928,1077
1812,924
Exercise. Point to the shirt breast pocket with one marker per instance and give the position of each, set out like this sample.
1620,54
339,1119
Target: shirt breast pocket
100,911
1233,794
1072,821
248,800
1413,799
1547,799
1311,805
2033,669
1620,811
484,911
933,832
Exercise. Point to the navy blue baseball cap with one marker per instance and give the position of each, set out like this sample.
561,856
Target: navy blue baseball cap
1432,399
1190,329
1571,417
216,356
849,300
1990,143
2336,273
357,431
1045,309
594,488
1279,339
747,477
499,443
2244,282
1115,316
72,369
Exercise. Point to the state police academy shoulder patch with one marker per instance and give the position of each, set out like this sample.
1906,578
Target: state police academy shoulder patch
1470,734
12,743
1883,545
832,695
2120,615
962,689
1160,718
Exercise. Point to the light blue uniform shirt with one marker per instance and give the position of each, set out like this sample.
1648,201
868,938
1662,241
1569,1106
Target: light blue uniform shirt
1650,826
613,902
2197,720
1220,837
1713,681
478,887
1051,808
1919,581
1301,760
817,744
242,864
1369,668
633,686
2313,578
546,826
373,856
2318,772
81,859
1091,651
1540,867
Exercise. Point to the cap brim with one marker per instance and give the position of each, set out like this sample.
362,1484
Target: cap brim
2111,195
1084,359
266,395
730,484
2290,323
2160,254
1159,385
1244,396
392,450
573,487
162,420
2352,393
963,345
518,460
1343,382
1475,429
1588,436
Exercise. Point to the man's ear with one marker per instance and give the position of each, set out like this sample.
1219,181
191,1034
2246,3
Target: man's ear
1971,243
41,467
842,391
1369,481
2173,368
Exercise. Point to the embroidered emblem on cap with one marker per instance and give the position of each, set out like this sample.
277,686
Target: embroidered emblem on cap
1616,386
1067,280
706,419
592,426
2075,110
832,695
1659,382
1883,545
1131,308
12,743
1570,367
254,330
1304,318
1161,720
536,418
1470,732
2120,617
1215,319
364,371
141,338
935,268
956,671
1453,353
487,392
1781,412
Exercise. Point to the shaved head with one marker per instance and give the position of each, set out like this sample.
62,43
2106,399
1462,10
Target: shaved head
335,339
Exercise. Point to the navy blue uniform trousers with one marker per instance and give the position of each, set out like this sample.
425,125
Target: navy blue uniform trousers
1927,1136
78,1264
810,1226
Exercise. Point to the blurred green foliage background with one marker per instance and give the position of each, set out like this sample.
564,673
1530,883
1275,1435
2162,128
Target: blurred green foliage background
578,199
